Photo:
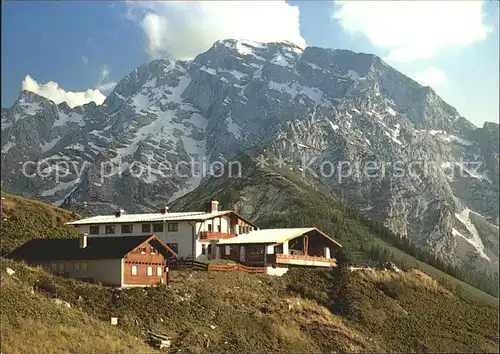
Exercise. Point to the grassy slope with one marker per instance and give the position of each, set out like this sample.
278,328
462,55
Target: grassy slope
24,219
50,327
410,311
33,323
249,312
238,312
289,202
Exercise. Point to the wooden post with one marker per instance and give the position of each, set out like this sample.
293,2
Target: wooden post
306,241
166,271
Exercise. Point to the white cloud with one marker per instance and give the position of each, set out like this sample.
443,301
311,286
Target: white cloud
412,30
185,29
85,59
430,77
52,91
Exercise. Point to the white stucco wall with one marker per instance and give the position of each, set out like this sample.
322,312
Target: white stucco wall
285,247
136,229
183,237
278,271
223,222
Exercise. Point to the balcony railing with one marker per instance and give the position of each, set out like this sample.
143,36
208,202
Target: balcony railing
303,259
212,235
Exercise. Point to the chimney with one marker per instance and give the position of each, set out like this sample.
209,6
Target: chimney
214,206
83,240
119,212
163,209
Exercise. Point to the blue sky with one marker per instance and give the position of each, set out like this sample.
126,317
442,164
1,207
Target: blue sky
452,47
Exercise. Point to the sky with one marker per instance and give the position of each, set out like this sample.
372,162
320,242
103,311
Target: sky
77,51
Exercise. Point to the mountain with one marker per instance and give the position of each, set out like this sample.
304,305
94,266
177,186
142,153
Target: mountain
389,147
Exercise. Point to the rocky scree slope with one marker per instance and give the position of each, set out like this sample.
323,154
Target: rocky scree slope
317,108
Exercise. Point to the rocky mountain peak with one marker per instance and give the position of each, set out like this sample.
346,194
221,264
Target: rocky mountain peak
491,127
26,96
319,105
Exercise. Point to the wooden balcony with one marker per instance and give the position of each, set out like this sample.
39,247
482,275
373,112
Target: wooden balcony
303,260
212,235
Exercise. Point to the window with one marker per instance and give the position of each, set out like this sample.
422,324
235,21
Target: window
150,271
134,270
61,266
146,227
203,249
173,226
127,229
219,228
228,250
80,266
94,229
209,227
53,266
158,271
142,250
157,227
110,229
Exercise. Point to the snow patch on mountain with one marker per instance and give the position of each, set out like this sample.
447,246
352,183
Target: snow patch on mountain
294,89
334,126
462,166
9,145
48,145
61,186
391,111
464,217
232,127
73,117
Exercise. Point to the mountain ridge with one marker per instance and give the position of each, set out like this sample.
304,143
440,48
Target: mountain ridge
333,108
